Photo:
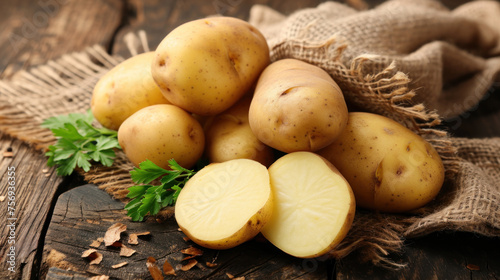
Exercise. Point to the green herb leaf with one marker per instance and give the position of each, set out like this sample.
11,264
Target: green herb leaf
79,143
149,199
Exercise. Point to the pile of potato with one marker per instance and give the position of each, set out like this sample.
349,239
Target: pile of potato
286,157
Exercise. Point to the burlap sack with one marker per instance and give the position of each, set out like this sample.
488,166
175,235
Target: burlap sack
386,60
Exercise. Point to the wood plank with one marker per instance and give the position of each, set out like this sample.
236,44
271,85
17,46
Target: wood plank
83,214
157,18
34,32
443,255
34,190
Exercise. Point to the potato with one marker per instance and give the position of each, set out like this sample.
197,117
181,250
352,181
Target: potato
160,133
389,167
124,90
228,136
225,204
313,205
297,107
205,66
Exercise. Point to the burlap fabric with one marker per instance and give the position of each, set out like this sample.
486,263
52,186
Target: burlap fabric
409,60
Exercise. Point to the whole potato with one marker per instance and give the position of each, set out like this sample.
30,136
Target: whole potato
205,66
124,90
160,133
228,136
389,167
297,107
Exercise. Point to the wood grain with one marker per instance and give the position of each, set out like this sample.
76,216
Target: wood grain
444,255
35,189
157,18
35,31
32,33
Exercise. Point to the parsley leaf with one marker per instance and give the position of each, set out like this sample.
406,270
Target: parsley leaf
149,199
79,143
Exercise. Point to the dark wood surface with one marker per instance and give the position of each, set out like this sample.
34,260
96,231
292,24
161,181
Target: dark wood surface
34,32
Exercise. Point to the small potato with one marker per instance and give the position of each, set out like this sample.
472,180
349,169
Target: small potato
389,167
228,136
124,90
225,204
297,107
205,66
160,133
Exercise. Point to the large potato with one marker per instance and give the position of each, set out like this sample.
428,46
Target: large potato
160,133
205,66
297,107
124,90
228,136
225,204
389,167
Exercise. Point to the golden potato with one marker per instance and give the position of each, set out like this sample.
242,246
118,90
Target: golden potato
228,136
225,204
389,167
205,66
160,133
314,206
124,90
297,107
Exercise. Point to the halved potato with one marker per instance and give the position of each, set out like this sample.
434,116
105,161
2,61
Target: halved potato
313,205
225,204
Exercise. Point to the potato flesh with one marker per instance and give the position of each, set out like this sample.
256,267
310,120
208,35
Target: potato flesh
222,198
314,205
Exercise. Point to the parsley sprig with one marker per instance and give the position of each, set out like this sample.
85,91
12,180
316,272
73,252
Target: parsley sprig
79,143
147,198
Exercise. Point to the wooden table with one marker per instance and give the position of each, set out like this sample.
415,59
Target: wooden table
52,214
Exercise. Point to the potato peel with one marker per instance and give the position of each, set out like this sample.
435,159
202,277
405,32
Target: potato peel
126,251
193,251
168,269
133,237
118,265
97,243
92,255
113,233
189,265
153,269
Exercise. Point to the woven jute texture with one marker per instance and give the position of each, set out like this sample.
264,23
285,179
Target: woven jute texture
413,61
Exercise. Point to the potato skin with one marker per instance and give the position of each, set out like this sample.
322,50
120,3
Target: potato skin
205,66
389,167
297,107
247,232
229,136
160,133
124,90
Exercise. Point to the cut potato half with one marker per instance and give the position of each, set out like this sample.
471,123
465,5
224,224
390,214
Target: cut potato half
313,205
225,204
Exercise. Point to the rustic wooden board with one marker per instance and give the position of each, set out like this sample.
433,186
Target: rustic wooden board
443,255
157,18
34,190
32,33
83,214
35,31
